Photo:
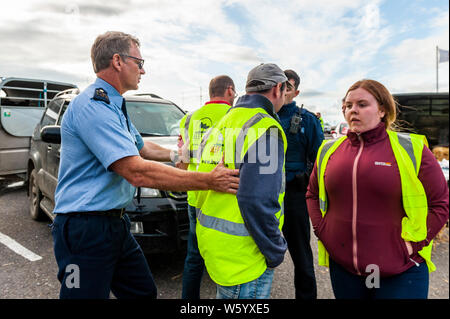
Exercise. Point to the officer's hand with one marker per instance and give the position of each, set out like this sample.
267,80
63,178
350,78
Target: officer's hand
181,165
224,180
183,153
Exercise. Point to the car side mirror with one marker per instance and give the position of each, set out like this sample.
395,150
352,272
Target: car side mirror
51,134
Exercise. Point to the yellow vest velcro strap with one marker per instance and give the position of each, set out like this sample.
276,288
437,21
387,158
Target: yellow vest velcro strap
414,201
222,225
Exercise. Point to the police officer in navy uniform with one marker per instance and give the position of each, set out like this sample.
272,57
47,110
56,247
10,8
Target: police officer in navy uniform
103,159
304,136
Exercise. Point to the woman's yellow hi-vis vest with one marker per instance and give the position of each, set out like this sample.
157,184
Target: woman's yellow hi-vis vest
193,126
407,150
230,253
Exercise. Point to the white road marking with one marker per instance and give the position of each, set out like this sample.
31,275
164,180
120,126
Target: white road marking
18,248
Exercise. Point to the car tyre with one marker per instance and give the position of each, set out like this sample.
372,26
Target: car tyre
36,212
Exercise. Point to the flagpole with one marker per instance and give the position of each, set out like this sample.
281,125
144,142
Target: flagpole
437,70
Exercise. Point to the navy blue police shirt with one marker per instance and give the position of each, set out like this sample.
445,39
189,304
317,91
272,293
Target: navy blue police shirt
303,146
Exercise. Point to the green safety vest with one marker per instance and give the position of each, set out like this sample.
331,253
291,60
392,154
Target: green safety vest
193,127
230,253
407,150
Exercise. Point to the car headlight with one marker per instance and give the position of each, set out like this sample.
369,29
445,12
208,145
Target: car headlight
137,228
148,192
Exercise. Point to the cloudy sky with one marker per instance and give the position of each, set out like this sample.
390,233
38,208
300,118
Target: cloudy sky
330,43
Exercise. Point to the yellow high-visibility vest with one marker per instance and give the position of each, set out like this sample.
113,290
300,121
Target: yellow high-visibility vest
407,150
193,126
230,253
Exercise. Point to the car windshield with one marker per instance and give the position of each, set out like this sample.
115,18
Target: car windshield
155,119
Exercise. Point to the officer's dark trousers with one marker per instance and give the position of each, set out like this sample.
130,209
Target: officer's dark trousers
98,254
296,230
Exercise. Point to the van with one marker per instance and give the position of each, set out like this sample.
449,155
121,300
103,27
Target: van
22,103
424,113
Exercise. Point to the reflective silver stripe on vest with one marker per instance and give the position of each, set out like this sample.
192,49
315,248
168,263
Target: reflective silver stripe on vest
241,137
405,141
201,147
186,125
222,225
325,148
186,132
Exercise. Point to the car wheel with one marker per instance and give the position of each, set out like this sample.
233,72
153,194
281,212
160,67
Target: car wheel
36,212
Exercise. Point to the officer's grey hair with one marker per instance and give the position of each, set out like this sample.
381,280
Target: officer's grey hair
107,44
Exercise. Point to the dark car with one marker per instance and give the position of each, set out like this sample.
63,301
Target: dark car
159,219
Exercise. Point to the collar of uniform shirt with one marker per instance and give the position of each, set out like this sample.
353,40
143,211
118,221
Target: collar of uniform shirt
217,102
113,95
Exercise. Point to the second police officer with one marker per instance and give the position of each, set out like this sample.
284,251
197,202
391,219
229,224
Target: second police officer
304,137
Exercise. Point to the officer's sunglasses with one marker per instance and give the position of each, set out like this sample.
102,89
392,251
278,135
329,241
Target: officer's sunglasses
234,90
140,62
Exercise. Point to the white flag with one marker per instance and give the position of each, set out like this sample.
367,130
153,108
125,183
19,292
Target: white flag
443,56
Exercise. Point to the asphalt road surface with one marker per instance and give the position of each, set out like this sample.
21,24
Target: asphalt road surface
31,273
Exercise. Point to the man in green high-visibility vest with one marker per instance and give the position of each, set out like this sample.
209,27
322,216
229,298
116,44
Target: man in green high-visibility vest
193,127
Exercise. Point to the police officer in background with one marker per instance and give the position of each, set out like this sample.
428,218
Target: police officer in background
304,136
103,159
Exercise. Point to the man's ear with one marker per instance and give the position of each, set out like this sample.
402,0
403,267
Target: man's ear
297,92
116,62
278,89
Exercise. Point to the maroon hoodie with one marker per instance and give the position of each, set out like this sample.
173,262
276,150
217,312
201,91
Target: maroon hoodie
362,225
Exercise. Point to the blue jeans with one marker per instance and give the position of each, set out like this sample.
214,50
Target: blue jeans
194,265
411,284
256,289
98,254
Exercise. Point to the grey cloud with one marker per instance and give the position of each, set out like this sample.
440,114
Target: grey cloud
312,94
88,8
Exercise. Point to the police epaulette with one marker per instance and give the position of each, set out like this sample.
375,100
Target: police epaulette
101,95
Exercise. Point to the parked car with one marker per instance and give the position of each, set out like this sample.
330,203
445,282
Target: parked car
327,128
159,219
340,129
22,102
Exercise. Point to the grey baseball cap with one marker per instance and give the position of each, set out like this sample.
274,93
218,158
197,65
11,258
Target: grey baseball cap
269,74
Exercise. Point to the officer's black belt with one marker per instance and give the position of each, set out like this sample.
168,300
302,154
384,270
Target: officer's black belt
108,213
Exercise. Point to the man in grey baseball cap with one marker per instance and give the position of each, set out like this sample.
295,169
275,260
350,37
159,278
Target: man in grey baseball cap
255,213
264,77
